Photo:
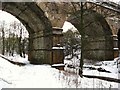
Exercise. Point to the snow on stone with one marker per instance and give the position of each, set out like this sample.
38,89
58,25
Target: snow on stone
55,65
115,48
57,48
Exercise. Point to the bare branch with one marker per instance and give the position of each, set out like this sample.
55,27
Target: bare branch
88,24
6,81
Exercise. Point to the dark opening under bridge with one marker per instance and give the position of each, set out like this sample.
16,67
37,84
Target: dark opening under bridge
36,17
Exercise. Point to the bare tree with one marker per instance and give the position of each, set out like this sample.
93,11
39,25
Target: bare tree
3,37
20,40
82,40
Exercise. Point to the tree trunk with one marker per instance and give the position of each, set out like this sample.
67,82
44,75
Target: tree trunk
23,48
82,41
3,41
20,45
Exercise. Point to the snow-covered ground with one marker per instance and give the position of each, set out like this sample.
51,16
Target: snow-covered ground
44,76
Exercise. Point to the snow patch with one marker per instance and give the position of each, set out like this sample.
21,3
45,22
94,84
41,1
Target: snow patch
44,76
57,48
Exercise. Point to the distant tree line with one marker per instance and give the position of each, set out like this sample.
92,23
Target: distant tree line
71,43
14,39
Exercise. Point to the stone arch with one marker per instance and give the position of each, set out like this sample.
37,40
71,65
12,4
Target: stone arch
98,35
38,26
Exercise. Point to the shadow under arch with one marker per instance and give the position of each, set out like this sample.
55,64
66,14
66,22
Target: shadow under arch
38,26
118,36
98,41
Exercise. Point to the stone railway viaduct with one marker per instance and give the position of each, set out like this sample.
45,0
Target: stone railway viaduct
39,18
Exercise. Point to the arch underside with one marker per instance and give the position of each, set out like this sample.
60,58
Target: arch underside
38,26
98,42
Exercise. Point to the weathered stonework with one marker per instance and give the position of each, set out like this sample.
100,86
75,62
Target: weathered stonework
98,41
57,49
38,26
